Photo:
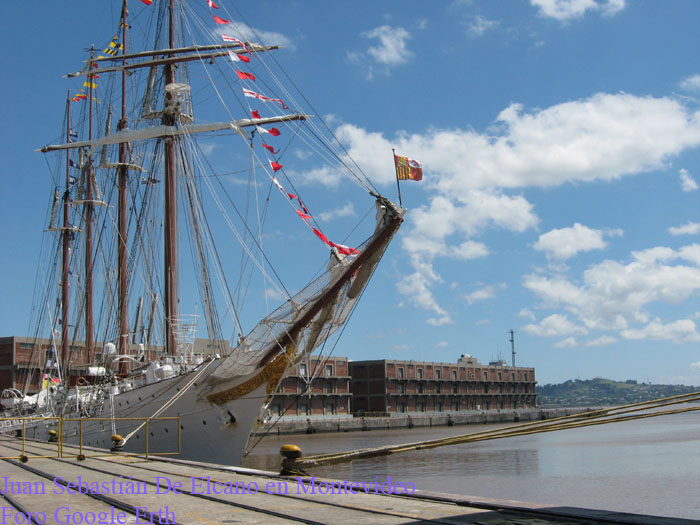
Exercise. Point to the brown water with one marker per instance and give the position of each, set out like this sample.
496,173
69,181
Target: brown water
646,466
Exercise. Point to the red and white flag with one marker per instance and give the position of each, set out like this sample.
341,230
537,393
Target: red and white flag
253,94
228,38
277,183
235,57
275,166
212,4
272,131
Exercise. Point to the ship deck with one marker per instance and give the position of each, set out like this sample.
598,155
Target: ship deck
132,489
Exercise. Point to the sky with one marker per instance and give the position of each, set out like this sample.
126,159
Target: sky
560,145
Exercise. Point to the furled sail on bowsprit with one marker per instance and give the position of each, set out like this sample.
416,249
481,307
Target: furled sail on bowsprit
188,146
314,314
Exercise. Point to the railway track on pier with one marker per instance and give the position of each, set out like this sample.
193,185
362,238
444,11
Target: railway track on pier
254,503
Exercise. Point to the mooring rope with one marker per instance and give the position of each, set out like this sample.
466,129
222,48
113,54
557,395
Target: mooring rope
595,417
170,402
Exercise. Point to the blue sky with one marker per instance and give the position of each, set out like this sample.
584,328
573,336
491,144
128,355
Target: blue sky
560,141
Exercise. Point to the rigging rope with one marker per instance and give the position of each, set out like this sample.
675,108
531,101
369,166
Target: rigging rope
170,402
595,417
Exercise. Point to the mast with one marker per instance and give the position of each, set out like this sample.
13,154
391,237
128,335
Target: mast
89,260
170,219
123,291
65,297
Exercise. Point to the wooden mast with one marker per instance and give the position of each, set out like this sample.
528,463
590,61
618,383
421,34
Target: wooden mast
123,292
89,259
65,297
170,220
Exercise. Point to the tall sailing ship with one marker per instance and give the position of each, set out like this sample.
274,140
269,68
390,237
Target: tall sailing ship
154,144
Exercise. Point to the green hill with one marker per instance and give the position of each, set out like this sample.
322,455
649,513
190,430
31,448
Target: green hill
604,392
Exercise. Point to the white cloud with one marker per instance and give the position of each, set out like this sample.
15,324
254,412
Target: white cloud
487,292
566,242
602,341
569,342
526,313
478,25
274,294
442,344
691,83
391,49
346,211
470,177
695,365
246,33
416,287
687,182
565,10
691,228
614,296
681,331
556,325
600,138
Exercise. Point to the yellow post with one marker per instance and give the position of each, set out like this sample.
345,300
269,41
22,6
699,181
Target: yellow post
179,435
80,438
147,420
23,434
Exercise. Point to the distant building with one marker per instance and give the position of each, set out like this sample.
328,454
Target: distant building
392,386
319,386
322,386
22,357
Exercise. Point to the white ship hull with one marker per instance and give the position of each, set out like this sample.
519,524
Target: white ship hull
208,432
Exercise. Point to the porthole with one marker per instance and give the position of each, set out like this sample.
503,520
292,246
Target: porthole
204,422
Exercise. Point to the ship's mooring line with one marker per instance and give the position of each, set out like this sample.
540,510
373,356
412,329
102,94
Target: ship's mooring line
170,401
595,417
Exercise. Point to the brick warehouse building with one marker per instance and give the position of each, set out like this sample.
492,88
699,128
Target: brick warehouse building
332,386
315,387
391,386
20,356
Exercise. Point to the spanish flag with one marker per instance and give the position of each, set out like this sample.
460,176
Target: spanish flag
49,381
408,169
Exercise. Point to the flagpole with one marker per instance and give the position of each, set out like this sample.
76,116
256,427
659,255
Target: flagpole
398,185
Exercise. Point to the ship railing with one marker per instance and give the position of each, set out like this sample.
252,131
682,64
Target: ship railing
22,422
11,424
67,450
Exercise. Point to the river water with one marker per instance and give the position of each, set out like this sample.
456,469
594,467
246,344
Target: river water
649,466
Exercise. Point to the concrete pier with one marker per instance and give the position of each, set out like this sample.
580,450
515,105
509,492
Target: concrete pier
313,424
130,489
